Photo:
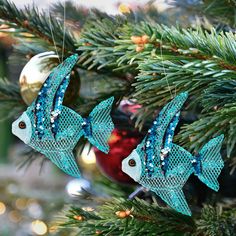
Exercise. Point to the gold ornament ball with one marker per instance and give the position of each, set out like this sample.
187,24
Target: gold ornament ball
36,71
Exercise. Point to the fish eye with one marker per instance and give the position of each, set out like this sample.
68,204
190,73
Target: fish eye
132,162
22,125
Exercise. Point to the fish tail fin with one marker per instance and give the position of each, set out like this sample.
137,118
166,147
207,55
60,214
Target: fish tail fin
174,197
66,162
208,164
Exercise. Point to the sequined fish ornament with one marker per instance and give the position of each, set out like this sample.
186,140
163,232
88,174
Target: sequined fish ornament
164,167
54,129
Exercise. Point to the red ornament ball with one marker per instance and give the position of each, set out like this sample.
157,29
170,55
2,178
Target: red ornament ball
122,143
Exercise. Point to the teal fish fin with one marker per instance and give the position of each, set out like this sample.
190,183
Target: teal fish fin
174,197
66,162
211,163
56,77
167,114
44,106
101,125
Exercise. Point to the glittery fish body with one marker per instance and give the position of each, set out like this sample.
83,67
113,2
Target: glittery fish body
164,167
54,129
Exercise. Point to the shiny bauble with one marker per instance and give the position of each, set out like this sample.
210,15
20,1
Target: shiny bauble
36,71
33,75
122,143
76,187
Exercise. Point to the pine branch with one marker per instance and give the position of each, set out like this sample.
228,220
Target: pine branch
177,42
169,58
215,221
74,14
215,123
172,59
38,24
177,76
220,13
137,217
126,217
220,10
220,92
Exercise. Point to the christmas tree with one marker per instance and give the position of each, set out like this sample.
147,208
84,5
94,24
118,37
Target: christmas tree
143,58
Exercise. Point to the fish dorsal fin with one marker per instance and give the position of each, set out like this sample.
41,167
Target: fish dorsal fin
162,132
167,114
44,103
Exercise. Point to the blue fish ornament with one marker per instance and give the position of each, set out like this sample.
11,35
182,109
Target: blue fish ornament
54,129
164,167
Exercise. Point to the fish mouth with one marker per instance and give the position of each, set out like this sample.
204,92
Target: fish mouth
123,167
13,128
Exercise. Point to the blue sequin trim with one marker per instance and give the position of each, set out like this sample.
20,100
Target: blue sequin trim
150,145
149,148
197,164
171,131
164,164
57,106
168,142
87,127
39,108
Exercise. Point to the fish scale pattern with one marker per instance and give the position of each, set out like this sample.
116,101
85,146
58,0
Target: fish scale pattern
157,135
59,149
169,185
57,129
179,163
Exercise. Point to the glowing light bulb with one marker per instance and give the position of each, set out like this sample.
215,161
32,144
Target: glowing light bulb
39,227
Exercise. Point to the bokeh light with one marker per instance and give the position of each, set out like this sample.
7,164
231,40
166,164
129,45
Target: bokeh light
2,208
21,203
88,156
15,216
39,227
